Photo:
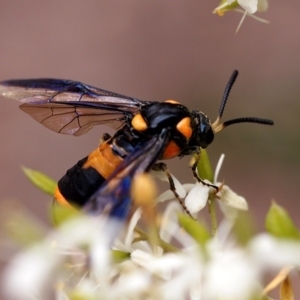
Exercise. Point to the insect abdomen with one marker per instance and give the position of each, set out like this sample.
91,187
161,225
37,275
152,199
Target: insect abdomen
84,179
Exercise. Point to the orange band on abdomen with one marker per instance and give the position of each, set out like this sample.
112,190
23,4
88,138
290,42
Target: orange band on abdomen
103,160
59,198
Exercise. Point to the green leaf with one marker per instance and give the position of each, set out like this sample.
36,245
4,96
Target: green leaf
61,213
81,294
231,6
244,227
279,223
119,256
40,180
195,229
204,167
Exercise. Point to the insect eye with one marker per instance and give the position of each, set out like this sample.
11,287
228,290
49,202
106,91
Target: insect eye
205,134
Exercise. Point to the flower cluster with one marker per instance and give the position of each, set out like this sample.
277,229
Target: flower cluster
175,257
196,195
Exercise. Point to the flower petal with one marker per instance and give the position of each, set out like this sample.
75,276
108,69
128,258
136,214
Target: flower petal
230,198
179,188
29,274
231,275
262,5
229,212
167,195
188,186
125,243
218,167
249,5
163,177
197,198
273,254
163,266
169,223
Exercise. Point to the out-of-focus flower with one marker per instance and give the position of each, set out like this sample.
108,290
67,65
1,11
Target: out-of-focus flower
75,262
246,7
250,6
83,259
231,273
262,5
53,264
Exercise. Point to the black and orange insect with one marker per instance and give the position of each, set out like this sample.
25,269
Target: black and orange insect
147,132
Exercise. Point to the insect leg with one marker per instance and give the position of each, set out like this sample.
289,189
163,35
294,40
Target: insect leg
194,167
163,167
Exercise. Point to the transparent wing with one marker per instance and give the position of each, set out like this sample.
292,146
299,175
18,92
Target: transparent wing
70,107
114,196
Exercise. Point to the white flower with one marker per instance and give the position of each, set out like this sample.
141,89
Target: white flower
198,194
229,201
59,259
250,6
273,254
237,272
76,260
231,275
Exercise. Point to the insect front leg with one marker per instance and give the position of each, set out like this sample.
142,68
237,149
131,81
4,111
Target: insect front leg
194,168
163,167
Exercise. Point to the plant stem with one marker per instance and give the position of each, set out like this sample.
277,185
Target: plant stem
213,215
143,236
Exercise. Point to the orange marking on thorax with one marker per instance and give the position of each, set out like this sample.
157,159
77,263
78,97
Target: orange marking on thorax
172,150
172,101
138,123
103,160
184,127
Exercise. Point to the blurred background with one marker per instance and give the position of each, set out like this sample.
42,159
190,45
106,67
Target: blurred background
158,50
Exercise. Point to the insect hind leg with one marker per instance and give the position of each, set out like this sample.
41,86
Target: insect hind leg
163,168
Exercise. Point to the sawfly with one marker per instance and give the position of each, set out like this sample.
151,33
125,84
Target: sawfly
146,132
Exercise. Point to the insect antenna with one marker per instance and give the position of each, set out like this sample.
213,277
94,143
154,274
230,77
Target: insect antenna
218,126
